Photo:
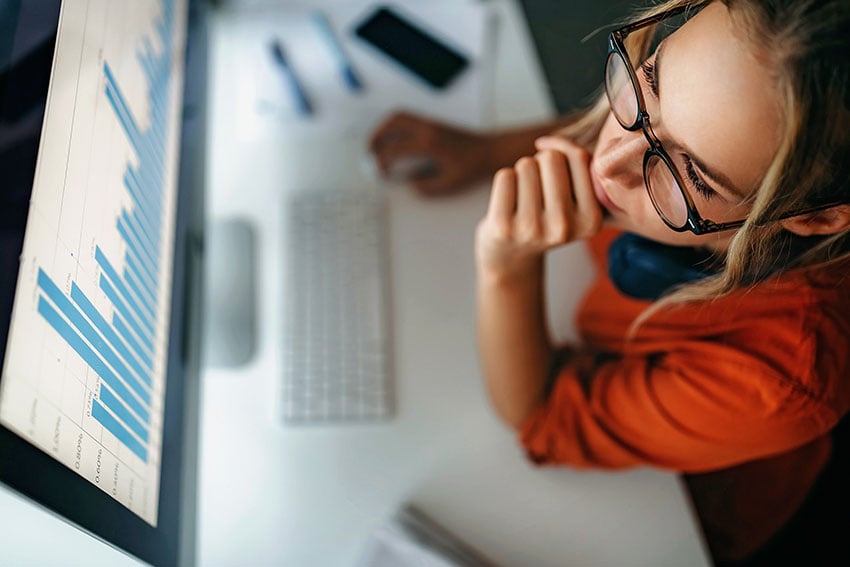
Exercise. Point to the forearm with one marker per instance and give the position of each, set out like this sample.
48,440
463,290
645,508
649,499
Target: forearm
508,146
513,340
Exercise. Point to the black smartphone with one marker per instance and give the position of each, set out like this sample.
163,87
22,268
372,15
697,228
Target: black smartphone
408,44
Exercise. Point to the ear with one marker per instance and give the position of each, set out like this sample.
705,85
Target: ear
829,221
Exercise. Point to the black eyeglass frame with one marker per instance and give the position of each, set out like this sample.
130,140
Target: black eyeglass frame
695,222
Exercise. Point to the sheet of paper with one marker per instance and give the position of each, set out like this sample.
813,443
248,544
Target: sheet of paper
261,102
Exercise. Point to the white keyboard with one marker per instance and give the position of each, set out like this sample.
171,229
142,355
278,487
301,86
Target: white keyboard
336,352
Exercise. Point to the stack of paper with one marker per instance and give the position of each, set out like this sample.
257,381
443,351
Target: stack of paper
413,539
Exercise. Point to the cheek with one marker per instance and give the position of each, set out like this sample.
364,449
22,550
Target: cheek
611,130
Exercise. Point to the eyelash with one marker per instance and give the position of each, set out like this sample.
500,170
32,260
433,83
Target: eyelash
648,69
700,186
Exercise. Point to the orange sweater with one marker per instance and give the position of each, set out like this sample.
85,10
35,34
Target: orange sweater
742,390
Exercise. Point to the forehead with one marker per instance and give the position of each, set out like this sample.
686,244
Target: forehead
718,98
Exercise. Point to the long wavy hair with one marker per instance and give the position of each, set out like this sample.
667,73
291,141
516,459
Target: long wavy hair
807,43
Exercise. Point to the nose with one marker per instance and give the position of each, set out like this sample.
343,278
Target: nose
621,160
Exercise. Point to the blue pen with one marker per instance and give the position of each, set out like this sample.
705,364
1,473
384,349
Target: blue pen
304,106
349,75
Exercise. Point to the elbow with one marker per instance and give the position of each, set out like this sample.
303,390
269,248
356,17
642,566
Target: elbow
515,415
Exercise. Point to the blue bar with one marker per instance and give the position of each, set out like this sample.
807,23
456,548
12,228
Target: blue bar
113,426
89,356
92,313
134,248
144,239
142,294
127,122
137,265
145,227
124,331
88,332
122,309
132,265
119,285
150,183
125,230
142,204
117,407
122,110
133,272
130,234
146,59
153,255
119,103
153,202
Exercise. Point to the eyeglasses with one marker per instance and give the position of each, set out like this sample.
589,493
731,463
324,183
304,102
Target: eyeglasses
663,181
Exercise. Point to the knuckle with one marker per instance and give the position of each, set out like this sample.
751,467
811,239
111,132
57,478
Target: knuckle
559,231
529,232
525,162
548,156
577,152
504,172
496,229
503,176
501,230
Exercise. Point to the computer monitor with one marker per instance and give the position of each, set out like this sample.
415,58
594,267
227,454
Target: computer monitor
102,108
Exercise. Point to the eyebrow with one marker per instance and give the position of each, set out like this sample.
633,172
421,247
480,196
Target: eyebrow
714,175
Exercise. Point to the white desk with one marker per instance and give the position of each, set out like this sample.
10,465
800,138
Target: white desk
272,495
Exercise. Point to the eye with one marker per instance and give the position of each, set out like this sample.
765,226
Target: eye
648,70
701,187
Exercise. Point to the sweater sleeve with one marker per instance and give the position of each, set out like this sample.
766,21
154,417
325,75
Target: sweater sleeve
700,406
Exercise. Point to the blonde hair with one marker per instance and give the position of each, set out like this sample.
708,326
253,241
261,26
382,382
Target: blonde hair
807,43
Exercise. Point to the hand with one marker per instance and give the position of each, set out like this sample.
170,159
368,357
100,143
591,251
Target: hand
454,157
542,202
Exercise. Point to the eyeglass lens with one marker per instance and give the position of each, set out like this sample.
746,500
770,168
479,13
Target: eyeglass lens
664,190
621,91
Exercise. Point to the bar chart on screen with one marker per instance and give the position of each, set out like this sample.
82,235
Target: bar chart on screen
84,376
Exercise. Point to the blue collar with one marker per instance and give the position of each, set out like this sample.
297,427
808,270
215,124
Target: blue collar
645,269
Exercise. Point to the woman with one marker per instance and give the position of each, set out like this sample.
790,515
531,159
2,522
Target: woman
715,340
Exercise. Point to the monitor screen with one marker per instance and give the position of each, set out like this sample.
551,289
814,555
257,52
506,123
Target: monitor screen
96,247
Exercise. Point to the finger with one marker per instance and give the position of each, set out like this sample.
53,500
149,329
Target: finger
432,186
432,180
529,193
405,155
503,195
588,211
397,126
555,179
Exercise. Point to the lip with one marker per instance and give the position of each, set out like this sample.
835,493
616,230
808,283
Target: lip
601,194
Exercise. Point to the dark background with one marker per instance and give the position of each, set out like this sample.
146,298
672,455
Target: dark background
573,68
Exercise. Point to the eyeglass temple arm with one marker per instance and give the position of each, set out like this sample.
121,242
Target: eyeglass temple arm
708,226
648,21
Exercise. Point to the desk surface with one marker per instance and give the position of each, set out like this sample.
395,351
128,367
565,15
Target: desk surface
312,496
271,495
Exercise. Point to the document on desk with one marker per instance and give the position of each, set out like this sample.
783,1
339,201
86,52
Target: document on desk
263,98
412,539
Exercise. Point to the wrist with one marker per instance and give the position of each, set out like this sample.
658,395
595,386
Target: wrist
518,274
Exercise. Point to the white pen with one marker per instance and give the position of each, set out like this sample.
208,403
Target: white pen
349,75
